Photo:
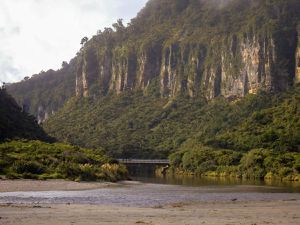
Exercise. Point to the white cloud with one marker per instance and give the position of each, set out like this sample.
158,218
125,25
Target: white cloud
38,35
8,71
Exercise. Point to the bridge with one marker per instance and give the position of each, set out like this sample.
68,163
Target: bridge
145,161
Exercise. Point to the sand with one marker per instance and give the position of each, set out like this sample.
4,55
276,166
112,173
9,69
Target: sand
225,213
50,185
197,213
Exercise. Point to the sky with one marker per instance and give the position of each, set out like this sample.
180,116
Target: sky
38,35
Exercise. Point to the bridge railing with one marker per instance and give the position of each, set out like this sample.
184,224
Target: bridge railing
144,161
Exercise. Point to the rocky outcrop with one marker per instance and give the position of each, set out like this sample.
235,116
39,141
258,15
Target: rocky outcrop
246,66
230,67
297,75
117,70
123,74
148,66
44,113
176,47
297,78
88,71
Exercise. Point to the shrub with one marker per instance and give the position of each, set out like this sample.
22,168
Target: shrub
27,167
38,160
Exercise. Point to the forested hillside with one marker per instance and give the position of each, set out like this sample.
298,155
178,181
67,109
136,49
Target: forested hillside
214,83
46,92
15,123
199,48
24,155
135,125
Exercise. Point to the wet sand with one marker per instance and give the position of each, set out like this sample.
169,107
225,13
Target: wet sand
50,185
216,212
225,213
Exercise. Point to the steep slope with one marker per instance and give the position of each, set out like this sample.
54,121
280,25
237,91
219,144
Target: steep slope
15,123
199,48
138,125
214,83
44,93
34,159
208,48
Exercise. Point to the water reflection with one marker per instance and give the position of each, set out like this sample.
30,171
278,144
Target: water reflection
195,181
151,195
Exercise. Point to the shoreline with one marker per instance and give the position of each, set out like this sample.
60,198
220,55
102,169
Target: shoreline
269,178
24,185
208,213
216,212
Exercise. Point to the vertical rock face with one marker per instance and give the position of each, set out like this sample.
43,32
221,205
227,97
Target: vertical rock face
297,78
123,71
237,55
119,75
231,67
297,55
44,113
118,70
105,67
212,82
198,48
169,70
88,72
253,54
148,66
247,65
41,115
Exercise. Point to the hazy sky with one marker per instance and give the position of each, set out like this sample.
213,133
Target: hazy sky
38,35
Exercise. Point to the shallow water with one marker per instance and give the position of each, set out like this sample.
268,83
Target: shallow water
192,181
155,192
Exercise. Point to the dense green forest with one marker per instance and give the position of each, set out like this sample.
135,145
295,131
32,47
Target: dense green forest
211,84
134,124
258,163
39,160
240,135
15,123
20,158
175,32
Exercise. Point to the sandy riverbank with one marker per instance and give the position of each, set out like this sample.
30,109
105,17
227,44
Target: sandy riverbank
50,185
225,213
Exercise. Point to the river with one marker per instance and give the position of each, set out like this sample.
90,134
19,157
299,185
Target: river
155,191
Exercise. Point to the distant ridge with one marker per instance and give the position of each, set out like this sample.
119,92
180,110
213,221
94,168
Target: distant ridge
15,123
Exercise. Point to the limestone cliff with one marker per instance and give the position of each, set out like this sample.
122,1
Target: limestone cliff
231,55
198,48
297,78
231,67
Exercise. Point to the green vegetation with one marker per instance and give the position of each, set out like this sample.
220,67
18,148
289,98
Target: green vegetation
220,136
200,25
255,164
15,123
47,91
146,126
39,160
257,136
